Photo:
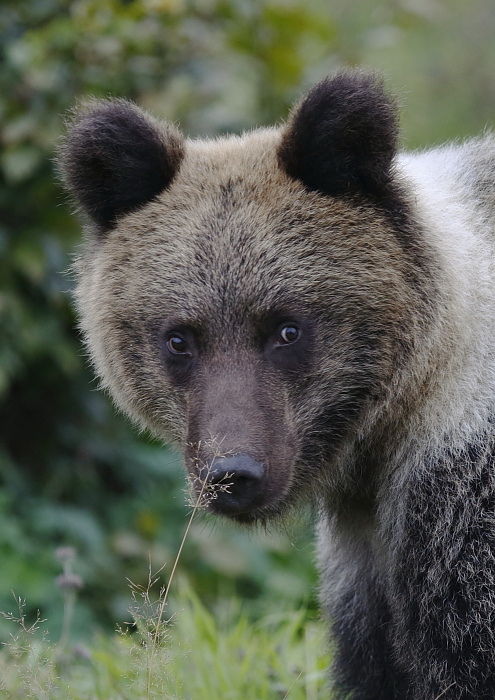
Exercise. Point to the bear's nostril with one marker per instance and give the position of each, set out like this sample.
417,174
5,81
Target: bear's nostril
243,479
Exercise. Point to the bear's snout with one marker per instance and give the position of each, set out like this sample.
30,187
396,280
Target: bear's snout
237,483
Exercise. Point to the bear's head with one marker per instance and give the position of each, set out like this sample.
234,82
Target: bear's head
252,299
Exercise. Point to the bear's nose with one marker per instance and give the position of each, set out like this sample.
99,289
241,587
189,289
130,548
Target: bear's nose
237,484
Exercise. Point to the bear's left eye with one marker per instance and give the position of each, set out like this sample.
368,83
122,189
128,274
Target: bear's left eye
177,345
288,334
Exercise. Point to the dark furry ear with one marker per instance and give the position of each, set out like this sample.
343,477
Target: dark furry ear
341,138
116,158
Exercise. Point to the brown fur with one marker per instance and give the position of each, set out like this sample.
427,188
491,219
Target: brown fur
320,228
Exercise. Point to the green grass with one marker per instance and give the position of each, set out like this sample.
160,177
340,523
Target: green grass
194,654
172,648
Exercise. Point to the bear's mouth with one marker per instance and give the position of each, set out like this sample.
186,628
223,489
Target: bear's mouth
259,516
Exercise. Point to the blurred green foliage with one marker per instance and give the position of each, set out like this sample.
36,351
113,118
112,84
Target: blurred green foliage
72,471
196,655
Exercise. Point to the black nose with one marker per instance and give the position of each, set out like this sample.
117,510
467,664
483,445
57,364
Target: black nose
236,484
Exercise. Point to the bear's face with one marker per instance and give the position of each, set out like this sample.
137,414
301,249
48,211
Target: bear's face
236,304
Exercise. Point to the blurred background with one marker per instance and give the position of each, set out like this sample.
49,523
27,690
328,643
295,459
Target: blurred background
72,471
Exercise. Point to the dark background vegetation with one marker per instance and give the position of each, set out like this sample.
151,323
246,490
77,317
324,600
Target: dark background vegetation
72,472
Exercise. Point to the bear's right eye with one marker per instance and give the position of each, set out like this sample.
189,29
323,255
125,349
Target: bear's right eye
288,335
177,345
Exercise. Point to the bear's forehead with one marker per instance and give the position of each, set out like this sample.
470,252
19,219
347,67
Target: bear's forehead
232,225
231,198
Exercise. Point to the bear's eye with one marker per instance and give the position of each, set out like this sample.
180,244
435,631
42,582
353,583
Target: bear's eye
288,334
177,345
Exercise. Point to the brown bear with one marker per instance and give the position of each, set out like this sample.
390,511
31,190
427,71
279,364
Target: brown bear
308,313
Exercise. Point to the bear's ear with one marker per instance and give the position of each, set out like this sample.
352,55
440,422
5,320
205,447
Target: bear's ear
342,137
116,158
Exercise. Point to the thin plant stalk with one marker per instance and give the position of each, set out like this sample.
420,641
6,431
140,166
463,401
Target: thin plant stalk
69,583
163,601
69,601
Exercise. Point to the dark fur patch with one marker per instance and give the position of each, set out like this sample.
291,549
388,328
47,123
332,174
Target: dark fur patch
444,577
116,159
364,665
342,137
